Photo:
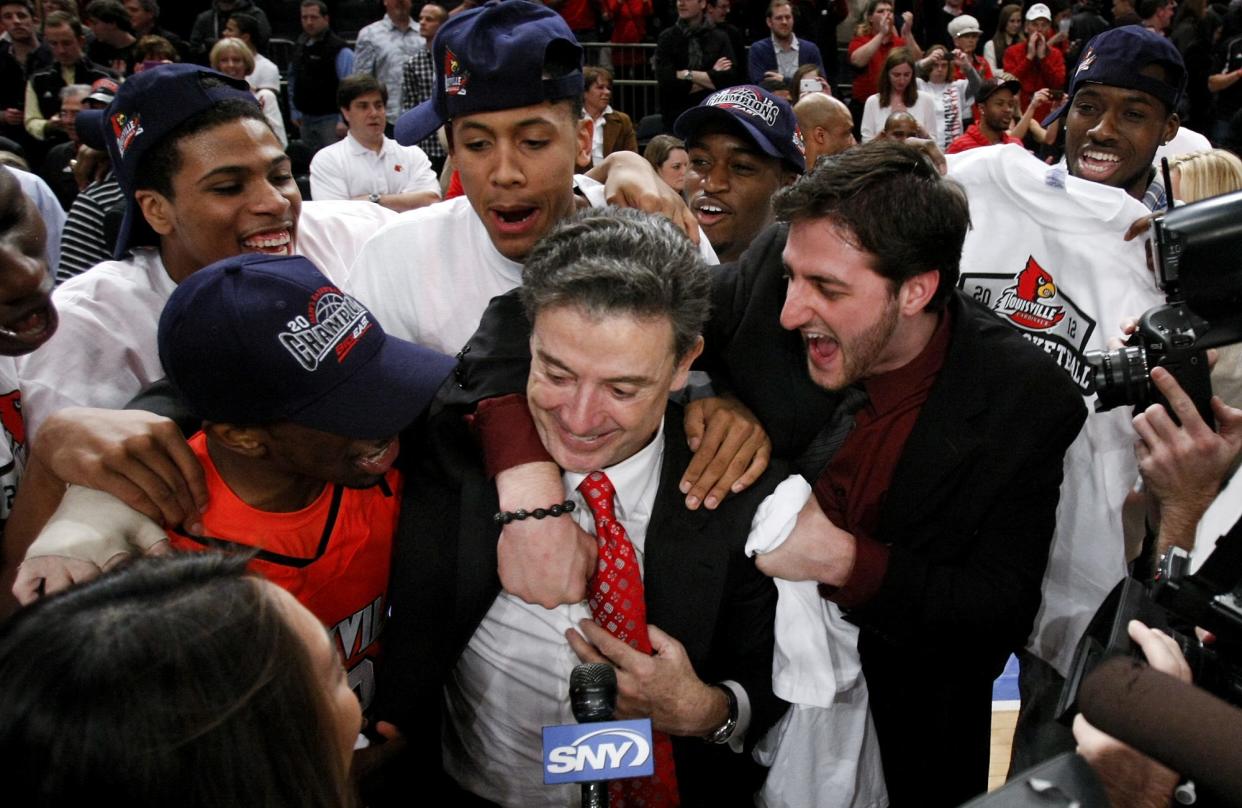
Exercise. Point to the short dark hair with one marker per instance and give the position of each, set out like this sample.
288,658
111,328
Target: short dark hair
248,24
154,46
161,162
1148,8
109,11
175,680
151,7
618,260
319,4
772,6
357,85
59,18
29,6
894,203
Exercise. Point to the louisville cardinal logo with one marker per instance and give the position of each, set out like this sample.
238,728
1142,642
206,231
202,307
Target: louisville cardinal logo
455,77
11,417
1028,302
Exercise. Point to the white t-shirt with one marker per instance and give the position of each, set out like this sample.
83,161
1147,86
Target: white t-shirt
104,352
874,116
13,442
1046,254
952,109
429,275
347,170
265,76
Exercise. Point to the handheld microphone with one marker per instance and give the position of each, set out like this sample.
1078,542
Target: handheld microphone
1182,726
593,697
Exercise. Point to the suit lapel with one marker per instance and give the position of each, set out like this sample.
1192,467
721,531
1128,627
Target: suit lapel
477,579
944,436
685,570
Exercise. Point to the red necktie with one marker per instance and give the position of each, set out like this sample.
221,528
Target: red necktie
615,595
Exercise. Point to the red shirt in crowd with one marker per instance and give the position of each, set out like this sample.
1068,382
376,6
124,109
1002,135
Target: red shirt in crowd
867,83
1035,75
972,138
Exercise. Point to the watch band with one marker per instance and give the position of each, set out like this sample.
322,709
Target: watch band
724,732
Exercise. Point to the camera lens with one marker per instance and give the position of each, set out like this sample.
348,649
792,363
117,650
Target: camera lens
1120,377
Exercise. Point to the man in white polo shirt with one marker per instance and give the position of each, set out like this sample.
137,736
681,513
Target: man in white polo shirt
366,165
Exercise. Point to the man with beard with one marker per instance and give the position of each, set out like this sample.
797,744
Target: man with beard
996,98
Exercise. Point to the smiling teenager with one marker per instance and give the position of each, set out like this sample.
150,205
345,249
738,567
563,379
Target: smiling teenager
204,179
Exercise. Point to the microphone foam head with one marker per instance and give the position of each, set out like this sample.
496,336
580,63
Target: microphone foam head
593,692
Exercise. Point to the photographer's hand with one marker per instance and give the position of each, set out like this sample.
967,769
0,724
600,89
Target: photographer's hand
1184,466
1131,778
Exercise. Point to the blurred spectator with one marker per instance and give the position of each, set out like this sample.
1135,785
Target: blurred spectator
781,54
89,236
1085,24
808,79
1034,63
366,165
152,50
418,76
233,669
933,27
614,131
1226,71
668,157
322,59
718,12
21,39
265,75
629,25
64,36
778,87
965,33
144,16
579,15
1124,13
233,58
209,25
996,99
383,48
901,126
951,100
1157,14
113,45
1008,32
826,126
874,38
57,166
693,58
897,93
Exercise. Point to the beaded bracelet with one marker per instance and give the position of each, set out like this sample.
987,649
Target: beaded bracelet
505,517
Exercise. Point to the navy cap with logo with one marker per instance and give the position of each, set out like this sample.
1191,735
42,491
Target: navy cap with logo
146,108
762,117
495,57
1115,58
256,339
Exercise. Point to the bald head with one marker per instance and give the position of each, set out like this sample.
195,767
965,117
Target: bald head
826,125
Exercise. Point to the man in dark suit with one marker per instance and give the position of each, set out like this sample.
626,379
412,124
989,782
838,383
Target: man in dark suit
936,511
617,301
939,506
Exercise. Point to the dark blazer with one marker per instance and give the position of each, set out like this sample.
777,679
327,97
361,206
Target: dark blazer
763,57
619,133
673,54
969,517
700,588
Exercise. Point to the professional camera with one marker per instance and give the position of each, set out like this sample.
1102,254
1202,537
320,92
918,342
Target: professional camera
1197,252
1176,602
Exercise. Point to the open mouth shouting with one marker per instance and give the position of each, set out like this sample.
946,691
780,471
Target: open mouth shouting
514,220
1096,164
709,211
28,326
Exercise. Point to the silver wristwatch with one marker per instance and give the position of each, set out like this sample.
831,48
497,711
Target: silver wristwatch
725,731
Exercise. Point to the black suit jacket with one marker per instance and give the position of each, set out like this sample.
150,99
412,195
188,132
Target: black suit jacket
700,588
968,516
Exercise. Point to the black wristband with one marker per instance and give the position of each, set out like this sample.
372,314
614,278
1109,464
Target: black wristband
505,517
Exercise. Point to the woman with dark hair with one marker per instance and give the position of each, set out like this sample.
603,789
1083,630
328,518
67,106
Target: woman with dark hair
1008,32
174,681
898,93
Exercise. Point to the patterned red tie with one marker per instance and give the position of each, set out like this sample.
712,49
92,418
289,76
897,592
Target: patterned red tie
615,595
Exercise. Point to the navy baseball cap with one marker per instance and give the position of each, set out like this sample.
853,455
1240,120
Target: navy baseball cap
146,108
256,339
1115,57
767,120
493,57
1004,81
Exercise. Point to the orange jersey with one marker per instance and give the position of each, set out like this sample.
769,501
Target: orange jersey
332,555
